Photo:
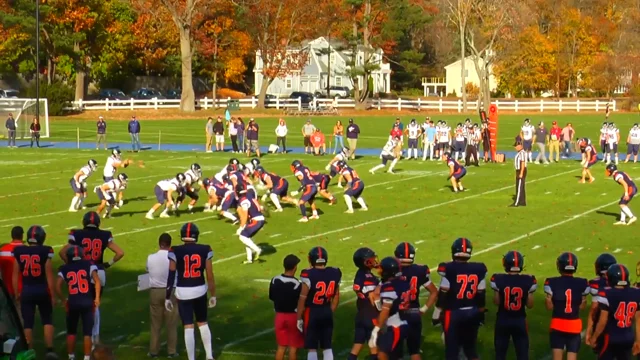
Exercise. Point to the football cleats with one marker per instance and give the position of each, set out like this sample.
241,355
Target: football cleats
295,164
513,261
461,248
93,165
610,169
189,232
75,253
318,256
567,263
91,219
36,235
365,258
389,268
405,252
603,262
123,177
116,153
618,275
234,161
195,167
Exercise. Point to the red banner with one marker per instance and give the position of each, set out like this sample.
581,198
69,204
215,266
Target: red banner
493,130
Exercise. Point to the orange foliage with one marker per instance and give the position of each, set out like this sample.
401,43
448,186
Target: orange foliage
224,93
72,13
154,36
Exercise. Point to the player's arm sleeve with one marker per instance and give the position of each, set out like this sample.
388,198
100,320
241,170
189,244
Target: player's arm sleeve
547,288
51,254
209,253
427,277
272,289
388,295
534,285
603,302
71,238
444,286
304,278
493,283
172,274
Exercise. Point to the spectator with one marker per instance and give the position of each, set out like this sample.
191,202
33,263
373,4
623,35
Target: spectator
11,130
102,133
218,130
338,136
158,268
317,140
252,138
567,138
34,129
134,131
284,291
395,131
281,135
7,262
429,140
486,141
241,129
541,138
400,126
353,131
307,130
233,134
554,142
208,130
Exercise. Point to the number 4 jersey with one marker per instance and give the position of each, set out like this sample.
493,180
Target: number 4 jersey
94,242
322,283
191,264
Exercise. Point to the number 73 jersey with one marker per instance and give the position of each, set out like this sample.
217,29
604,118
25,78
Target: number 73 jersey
322,283
462,281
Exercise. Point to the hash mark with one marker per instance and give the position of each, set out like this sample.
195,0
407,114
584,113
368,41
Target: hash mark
617,250
419,241
577,193
414,189
384,240
345,238
603,194
580,248
390,187
547,193
69,228
536,247
262,280
274,235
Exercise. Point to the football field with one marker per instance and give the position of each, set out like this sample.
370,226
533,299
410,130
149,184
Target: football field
416,205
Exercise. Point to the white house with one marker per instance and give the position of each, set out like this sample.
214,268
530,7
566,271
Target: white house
454,82
314,76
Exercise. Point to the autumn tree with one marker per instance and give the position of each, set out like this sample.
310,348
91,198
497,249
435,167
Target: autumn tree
458,13
15,54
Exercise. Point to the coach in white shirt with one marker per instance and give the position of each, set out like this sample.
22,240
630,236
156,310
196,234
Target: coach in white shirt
158,268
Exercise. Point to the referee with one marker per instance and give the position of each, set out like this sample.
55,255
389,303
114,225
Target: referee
284,291
520,164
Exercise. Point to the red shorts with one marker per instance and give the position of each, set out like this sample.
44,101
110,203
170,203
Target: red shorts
287,333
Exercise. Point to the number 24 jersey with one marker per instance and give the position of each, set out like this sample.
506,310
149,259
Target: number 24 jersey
322,283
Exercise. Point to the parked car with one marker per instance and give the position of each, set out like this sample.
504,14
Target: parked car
305,97
148,94
174,93
9,94
115,95
339,91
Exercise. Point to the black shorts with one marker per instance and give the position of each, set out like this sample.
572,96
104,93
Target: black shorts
86,314
28,305
197,306
318,328
565,341
307,141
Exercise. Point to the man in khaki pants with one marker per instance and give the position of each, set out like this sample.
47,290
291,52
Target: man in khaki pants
209,132
158,268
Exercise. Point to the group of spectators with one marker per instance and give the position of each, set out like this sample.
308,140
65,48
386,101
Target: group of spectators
12,126
244,137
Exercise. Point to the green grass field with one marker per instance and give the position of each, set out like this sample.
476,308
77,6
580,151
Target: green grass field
414,205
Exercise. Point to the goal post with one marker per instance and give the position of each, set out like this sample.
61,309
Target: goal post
24,111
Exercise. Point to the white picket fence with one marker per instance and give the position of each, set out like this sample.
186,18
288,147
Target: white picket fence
439,105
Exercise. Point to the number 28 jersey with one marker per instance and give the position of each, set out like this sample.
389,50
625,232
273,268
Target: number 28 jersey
462,281
191,264
322,285
94,242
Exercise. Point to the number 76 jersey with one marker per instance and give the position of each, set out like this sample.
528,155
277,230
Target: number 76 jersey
322,284
462,281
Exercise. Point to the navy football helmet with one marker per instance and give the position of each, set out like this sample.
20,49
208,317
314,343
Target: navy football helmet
610,169
240,188
91,219
206,182
295,164
36,235
259,170
405,252
75,253
461,248
365,258
603,262
567,263
389,268
513,261
318,256
618,275
231,168
189,232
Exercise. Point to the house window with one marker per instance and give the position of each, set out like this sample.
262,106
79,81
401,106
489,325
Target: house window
466,73
287,84
338,81
332,58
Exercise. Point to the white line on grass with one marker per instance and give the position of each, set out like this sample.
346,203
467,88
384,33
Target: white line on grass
249,354
547,193
274,235
617,250
345,238
390,187
28,192
577,193
603,194
384,240
579,249
262,280
419,242
536,247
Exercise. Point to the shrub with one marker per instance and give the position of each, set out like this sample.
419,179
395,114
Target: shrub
58,96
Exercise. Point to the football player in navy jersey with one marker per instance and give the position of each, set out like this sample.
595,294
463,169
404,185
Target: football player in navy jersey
595,286
462,299
318,301
355,187
251,221
618,313
277,188
566,296
309,188
83,286
323,180
630,190
34,263
94,242
456,172
192,261
513,294
365,285
229,200
395,295
418,276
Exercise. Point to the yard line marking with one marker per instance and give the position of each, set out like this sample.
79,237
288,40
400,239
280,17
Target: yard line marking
536,247
118,338
4,226
109,289
384,240
57,246
579,249
69,228
44,226
274,235
345,238
390,187
603,194
617,250
109,228
204,233
419,242
28,192
547,193
414,188
262,280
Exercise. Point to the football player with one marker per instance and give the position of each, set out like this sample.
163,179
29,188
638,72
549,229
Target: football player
35,265
108,191
83,287
630,190
365,285
444,138
251,221
322,182
164,191
229,200
603,140
79,184
395,293
459,142
220,175
413,133
277,188
619,312
94,243
341,156
566,295
589,158
418,276
456,172
595,286
462,298
513,294
114,162
388,154
526,133
216,191
613,139
355,187
193,178
237,176
192,263
318,302
308,185
633,143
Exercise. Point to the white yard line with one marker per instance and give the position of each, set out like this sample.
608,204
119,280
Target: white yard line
28,192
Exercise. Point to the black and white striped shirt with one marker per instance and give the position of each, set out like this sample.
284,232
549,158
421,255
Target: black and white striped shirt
520,156
474,137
